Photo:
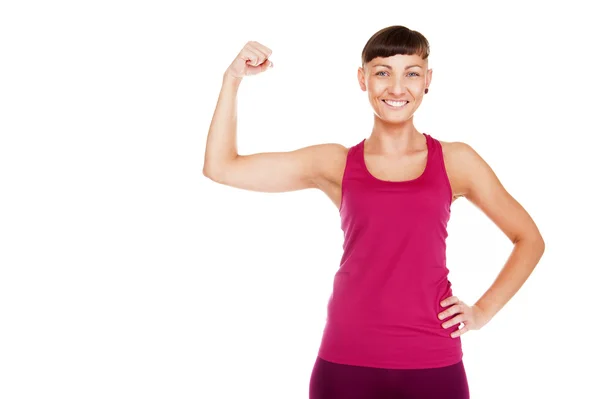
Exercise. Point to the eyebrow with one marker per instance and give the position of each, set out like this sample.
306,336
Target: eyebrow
389,67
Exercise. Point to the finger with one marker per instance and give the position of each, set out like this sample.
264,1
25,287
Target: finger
266,64
259,50
263,49
449,301
261,62
449,312
267,50
456,320
460,332
251,56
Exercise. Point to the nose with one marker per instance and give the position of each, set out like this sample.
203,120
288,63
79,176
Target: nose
397,88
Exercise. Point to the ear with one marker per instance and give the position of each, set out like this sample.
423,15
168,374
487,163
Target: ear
429,75
361,78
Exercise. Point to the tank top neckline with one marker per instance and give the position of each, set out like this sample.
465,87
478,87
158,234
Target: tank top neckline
395,182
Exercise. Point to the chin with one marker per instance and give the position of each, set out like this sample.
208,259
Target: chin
393,120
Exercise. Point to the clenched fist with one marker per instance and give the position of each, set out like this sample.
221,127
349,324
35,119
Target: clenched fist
252,60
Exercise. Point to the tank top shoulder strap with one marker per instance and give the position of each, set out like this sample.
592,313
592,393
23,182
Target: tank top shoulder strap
434,148
353,167
438,172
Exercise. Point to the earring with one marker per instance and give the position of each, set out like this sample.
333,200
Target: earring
426,91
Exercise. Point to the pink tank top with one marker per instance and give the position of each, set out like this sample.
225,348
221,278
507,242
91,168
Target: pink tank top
383,310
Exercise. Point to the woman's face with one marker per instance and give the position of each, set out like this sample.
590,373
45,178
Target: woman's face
400,78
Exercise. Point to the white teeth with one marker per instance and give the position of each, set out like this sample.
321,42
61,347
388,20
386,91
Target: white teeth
395,103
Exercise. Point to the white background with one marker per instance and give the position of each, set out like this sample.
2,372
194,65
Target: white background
125,273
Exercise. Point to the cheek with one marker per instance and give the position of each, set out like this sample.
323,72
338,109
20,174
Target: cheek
418,85
378,86
375,90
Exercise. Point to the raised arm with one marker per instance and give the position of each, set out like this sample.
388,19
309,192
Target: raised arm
266,172
277,171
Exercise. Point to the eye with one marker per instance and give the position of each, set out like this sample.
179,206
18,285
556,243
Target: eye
378,73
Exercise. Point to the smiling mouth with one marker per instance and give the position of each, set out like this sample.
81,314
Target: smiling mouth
395,104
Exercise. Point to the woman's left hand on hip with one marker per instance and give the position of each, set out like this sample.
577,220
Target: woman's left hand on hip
471,316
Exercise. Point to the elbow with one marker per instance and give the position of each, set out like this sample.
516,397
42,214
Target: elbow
216,171
537,241
542,245
209,169
206,172
214,174
209,173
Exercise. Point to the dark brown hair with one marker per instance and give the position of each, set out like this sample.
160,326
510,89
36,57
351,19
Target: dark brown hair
394,40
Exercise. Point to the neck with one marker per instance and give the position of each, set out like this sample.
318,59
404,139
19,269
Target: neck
395,138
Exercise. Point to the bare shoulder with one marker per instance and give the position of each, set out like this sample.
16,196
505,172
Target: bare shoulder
460,160
331,160
454,150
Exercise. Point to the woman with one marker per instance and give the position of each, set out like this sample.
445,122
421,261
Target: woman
393,324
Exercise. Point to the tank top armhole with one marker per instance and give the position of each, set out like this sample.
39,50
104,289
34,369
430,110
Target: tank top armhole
342,185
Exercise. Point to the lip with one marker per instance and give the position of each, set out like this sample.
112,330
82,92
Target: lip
395,108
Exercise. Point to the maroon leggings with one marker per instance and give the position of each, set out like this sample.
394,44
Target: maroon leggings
340,381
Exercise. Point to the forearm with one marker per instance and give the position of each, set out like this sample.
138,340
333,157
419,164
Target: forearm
519,266
221,143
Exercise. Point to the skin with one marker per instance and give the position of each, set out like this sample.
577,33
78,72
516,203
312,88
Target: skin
394,151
